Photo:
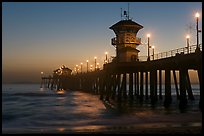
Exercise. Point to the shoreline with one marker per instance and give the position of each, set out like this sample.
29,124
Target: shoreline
130,129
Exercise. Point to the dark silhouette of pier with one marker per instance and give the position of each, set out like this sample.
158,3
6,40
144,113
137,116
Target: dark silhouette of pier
128,75
111,82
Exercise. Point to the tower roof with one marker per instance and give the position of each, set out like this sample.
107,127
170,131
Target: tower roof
127,23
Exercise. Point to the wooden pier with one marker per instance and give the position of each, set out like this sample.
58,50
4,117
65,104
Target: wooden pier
129,77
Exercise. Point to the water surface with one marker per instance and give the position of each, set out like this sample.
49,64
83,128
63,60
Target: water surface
27,108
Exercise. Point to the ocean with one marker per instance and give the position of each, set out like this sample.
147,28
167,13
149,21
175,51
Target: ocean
27,108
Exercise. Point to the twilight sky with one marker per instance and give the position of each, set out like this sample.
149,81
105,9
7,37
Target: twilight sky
43,36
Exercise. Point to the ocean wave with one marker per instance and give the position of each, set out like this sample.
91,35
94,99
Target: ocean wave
30,94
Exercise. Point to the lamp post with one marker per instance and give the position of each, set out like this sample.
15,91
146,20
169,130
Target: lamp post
97,66
41,74
148,58
75,69
81,67
87,63
153,52
187,42
91,67
106,57
95,62
197,16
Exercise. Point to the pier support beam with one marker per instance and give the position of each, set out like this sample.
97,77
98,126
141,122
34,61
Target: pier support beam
135,83
153,84
124,86
146,85
108,86
94,79
141,86
137,78
98,84
114,80
201,87
49,82
160,84
119,96
176,84
188,86
101,86
41,84
168,98
131,85
183,99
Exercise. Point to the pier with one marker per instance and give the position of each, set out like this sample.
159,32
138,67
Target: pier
129,76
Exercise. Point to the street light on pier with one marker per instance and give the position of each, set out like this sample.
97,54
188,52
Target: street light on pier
87,62
91,67
81,67
148,36
197,16
187,41
95,62
106,56
97,66
77,68
41,74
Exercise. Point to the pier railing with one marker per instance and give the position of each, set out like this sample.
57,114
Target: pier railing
171,53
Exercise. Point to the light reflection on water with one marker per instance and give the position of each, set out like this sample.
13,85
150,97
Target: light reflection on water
32,109
61,129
